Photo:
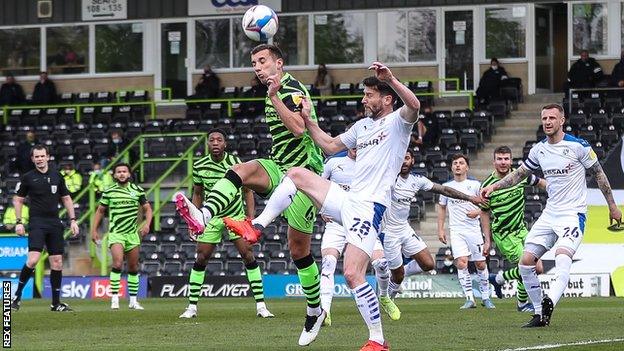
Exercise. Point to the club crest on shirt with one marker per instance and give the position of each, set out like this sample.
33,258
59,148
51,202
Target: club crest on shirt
566,151
53,189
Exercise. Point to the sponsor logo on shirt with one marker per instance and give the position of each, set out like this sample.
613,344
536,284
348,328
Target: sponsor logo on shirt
558,172
375,141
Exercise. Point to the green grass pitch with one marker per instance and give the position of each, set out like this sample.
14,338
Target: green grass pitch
231,324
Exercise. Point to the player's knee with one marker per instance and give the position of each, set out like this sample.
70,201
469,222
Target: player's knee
480,265
461,262
296,174
56,262
427,265
248,256
201,258
352,277
398,275
243,170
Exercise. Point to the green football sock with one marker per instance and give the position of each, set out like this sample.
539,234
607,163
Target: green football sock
512,274
310,280
195,281
115,278
223,193
133,284
255,281
522,295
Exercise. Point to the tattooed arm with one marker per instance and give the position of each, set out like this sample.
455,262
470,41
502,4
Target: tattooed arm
604,186
510,180
456,194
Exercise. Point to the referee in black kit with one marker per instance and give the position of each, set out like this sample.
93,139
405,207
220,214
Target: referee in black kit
44,187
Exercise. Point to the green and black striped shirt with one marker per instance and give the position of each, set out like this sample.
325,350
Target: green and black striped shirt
506,206
207,172
287,150
123,204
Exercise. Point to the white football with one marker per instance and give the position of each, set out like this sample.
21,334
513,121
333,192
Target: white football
260,23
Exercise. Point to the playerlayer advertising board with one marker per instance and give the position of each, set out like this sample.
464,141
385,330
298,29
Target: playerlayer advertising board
275,286
214,286
447,286
27,293
91,287
13,252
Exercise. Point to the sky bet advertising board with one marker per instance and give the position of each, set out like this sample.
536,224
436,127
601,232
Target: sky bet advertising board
93,287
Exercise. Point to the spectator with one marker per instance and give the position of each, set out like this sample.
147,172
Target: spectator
448,267
100,179
73,179
617,76
11,93
23,160
115,147
45,91
208,85
323,81
428,129
9,220
585,72
489,85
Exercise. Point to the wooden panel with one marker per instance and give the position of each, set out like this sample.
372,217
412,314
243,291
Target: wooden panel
76,85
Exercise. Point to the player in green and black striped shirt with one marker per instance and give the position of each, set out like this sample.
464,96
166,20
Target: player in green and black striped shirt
123,201
506,210
206,172
292,146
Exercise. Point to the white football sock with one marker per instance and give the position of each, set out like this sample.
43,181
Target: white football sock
484,283
368,305
562,277
133,300
281,198
412,268
532,286
382,274
393,288
465,280
327,281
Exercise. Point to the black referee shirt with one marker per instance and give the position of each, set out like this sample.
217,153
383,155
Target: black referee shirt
44,191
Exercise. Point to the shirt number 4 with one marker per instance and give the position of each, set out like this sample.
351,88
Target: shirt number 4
360,227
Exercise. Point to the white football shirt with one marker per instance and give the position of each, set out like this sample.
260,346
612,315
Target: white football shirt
339,169
381,146
563,165
404,191
459,222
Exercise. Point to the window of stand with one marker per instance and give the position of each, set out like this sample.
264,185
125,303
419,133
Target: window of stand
589,28
406,36
119,47
67,50
505,32
339,38
20,53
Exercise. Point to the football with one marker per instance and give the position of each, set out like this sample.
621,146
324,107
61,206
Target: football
260,23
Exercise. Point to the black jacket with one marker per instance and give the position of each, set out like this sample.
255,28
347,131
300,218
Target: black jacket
585,74
489,85
11,94
208,86
22,159
44,93
618,73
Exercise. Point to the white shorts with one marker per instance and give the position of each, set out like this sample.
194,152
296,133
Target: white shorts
335,237
467,245
361,219
560,230
401,241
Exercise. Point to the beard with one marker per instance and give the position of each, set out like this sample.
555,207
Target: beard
122,181
372,112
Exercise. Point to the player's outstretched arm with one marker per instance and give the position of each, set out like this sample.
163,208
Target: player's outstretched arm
456,194
292,120
510,180
604,186
329,144
409,111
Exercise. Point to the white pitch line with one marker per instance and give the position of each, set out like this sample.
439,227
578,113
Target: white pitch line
554,346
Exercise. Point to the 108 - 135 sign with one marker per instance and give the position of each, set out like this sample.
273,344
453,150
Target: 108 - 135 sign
101,10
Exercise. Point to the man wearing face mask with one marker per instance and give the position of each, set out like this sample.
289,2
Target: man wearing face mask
489,85
116,145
